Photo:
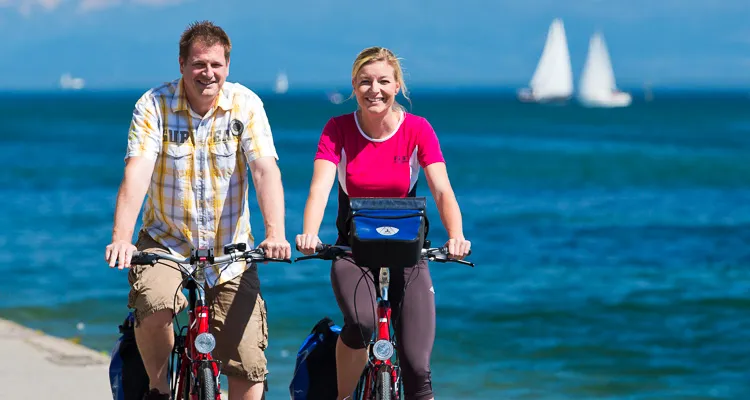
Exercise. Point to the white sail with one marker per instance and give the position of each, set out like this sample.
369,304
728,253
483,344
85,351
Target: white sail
553,77
598,86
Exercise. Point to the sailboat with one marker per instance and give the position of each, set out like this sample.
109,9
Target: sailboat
282,83
553,77
598,87
68,82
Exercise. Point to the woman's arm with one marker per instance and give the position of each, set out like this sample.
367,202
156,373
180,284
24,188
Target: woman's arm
450,213
324,173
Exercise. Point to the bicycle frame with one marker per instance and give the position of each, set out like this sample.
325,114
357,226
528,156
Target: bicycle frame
382,349
191,365
188,358
383,354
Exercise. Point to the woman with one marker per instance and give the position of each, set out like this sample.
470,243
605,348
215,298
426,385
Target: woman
377,151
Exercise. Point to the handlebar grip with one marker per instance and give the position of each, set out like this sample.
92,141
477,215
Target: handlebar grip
444,250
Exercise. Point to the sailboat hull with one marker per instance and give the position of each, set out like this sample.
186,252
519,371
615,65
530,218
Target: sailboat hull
615,100
527,96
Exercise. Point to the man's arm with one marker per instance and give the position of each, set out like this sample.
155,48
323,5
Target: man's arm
144,144
270,193
138,171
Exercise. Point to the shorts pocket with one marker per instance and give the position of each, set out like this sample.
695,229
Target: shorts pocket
263,325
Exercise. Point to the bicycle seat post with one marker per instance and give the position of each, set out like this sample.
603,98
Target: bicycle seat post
385,277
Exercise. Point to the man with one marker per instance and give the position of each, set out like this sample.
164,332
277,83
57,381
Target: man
186,146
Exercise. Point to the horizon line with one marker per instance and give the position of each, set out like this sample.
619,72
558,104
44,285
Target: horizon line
431,88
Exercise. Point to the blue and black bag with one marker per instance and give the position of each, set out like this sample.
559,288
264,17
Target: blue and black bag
127,375
315,370
387,232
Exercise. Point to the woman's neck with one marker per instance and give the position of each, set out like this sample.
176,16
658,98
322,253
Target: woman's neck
378,126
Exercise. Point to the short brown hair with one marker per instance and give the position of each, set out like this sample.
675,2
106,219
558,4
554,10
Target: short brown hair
204,32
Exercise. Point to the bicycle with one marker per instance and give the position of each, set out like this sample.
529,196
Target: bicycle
381,378
193,372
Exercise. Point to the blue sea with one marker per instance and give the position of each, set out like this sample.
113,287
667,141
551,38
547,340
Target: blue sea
612,247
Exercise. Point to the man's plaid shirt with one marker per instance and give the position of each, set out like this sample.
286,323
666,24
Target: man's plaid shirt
198,196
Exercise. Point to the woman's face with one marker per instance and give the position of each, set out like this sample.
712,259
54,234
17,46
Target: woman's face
375,87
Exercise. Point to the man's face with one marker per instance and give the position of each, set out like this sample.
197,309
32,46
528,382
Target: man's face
204,71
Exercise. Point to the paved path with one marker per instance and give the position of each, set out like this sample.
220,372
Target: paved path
37,366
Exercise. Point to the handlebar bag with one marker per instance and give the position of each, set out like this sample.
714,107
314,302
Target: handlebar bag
387,232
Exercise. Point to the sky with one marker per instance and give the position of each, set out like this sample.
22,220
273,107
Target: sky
444,44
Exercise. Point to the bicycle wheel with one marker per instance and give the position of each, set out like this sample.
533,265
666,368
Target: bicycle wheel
184,384
206,383
359,391
180,381
383,384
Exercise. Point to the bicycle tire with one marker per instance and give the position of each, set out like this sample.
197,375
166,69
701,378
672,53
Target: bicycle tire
383,384
186,384
206,383
359,391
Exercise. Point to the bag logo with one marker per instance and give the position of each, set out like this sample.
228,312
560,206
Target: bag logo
387,230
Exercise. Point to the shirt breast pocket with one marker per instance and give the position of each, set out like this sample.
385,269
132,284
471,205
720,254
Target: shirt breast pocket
224,157
178,151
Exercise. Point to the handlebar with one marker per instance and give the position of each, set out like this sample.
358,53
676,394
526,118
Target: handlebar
331,252
233,252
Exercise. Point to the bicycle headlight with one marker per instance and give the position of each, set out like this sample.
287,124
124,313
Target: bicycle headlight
205,343
382,350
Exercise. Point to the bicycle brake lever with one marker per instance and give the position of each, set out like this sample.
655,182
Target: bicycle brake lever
464,262
442,258
302,258
286,260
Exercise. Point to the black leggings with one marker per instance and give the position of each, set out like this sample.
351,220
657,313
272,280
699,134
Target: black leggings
413,318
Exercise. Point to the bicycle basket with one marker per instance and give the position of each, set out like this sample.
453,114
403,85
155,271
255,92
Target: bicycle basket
387,232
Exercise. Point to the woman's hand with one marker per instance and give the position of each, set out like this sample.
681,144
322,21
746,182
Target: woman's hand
307,243
458,248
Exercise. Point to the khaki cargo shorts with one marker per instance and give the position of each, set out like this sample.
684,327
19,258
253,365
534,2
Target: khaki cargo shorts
238,312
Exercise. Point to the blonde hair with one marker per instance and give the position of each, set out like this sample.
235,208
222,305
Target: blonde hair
375,54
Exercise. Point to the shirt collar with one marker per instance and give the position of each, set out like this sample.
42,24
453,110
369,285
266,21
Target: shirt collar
180,103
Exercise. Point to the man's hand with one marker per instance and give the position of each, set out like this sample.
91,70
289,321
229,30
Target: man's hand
120,252
276,248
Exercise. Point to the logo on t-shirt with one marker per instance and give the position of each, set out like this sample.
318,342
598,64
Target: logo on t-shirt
387,230
237,127
400,159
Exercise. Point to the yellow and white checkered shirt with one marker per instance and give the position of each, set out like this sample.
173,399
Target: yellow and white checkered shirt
198,196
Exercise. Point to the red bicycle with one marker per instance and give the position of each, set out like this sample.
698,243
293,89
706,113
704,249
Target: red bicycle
193,372
381,378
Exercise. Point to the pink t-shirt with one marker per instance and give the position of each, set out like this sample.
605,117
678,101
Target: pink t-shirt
387,167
